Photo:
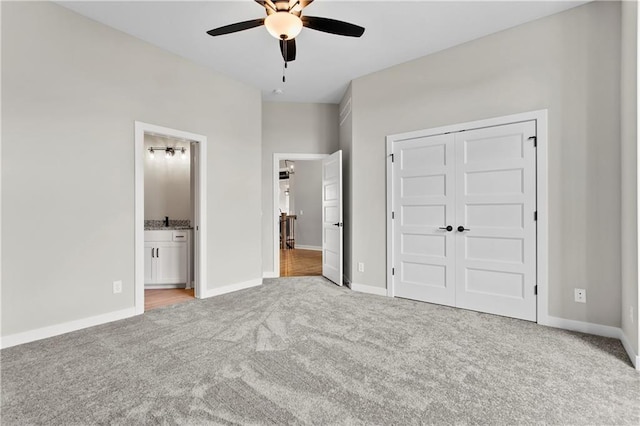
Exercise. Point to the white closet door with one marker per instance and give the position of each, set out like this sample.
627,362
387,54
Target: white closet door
332,230
496,201
423,200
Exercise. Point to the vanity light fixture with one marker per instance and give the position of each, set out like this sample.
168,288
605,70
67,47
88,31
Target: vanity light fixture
289,166
168,151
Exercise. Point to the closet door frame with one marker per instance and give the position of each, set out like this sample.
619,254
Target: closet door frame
542,236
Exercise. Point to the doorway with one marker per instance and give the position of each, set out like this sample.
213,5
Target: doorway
465,204
307,215
170,209
300,213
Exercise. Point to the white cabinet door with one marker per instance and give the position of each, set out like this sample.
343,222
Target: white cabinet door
495,203
166,257
171,263
424,195
332,231
149,262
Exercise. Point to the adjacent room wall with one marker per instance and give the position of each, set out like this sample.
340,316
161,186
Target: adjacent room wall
629,155
167,181
308,208
291,128
568,63
71,91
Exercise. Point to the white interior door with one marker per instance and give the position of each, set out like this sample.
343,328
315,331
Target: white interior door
424,196
495,204
463,227
332,230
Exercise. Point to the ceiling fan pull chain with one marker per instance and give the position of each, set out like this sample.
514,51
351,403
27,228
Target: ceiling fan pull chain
284,80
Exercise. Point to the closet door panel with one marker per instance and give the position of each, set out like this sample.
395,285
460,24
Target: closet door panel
423,200
495,205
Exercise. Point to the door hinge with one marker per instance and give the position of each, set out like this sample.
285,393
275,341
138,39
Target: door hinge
535,140
535,289
393,271
535,215
393,215
392,158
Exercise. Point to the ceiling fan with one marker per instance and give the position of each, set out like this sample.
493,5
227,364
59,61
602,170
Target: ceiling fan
284,21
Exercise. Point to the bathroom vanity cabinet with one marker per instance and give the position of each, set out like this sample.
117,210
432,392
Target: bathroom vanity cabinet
167,258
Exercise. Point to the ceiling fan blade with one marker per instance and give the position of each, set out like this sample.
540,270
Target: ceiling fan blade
288,53
332,26
298,5
267,4
238,26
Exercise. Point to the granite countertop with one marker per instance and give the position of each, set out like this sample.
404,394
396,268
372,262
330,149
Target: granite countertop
167,228
174,225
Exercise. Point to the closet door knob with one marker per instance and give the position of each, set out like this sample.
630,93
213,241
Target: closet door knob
448,228
462,229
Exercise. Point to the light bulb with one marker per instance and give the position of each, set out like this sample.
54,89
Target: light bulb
283,25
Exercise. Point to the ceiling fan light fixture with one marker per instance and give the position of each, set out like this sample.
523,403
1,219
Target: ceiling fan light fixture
283,25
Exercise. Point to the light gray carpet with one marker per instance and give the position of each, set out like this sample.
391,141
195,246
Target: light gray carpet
303,351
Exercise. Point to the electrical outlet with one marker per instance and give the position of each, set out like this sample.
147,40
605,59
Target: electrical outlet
580,295
117,287
360,266
301,213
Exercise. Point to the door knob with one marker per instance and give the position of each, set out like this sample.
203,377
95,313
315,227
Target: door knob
462,229
337,224
448,228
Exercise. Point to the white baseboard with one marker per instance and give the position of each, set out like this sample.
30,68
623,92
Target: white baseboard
67,327
270,275
315,248
231,288
369,289
583,327
598,330
163,286
635,358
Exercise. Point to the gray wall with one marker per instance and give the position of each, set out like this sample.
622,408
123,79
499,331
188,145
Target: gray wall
167,181
308,203
346,141
71,90
568,63
629,125
291,128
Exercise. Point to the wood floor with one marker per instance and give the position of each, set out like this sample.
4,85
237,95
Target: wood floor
300,263
158,298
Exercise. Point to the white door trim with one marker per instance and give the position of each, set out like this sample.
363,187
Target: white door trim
200,251
542,240
275,210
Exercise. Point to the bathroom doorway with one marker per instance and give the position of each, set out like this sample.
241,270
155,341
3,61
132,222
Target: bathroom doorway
170,202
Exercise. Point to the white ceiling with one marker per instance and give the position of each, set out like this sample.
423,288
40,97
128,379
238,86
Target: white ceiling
396,32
